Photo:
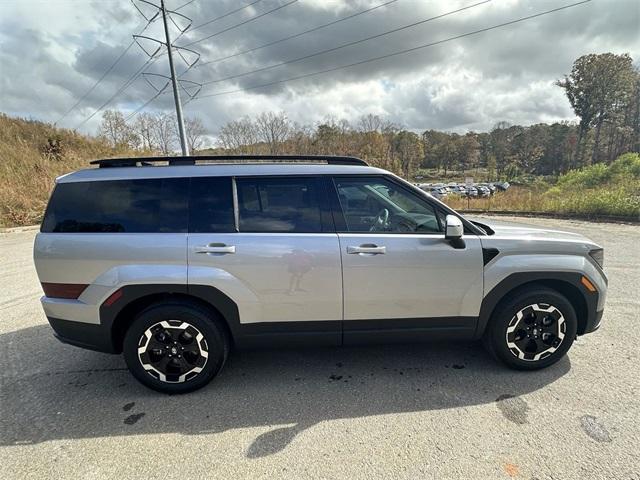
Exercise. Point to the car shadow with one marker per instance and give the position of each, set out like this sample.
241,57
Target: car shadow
52,391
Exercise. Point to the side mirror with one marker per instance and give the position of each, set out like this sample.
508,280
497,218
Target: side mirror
454,228
454,231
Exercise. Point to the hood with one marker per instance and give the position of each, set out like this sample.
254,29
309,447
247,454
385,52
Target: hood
520,230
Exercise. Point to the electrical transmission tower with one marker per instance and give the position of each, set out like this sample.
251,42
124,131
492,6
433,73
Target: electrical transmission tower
190,88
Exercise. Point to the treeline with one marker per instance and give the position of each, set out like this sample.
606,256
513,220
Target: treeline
155,132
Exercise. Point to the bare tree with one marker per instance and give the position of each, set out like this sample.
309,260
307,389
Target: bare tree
195,133
273,129
164,132
370,123
144,127
239,136
115,130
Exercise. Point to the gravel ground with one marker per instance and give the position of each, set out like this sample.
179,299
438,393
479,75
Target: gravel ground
421,411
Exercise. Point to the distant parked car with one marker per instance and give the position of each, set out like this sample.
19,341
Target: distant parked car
443,186
490,186
458,189
502,186
472,191
436,192
483,191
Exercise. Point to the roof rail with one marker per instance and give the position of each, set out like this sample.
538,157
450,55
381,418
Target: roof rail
228,159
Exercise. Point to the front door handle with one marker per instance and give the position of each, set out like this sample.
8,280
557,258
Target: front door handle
367,248
215,248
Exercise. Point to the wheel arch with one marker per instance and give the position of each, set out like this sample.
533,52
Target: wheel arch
566,283
117,318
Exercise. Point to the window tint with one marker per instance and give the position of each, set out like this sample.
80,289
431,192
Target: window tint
211,205
379,205
137,206
278,205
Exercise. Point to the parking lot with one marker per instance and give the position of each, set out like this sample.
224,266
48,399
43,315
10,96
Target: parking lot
418,411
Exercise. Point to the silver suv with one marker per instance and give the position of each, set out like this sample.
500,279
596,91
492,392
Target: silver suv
174,262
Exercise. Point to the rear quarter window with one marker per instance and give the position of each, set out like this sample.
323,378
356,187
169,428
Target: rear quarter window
211,205
127,206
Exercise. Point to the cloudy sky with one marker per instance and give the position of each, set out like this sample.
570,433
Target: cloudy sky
53,52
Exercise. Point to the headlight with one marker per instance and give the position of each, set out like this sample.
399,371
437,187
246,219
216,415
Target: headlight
598,256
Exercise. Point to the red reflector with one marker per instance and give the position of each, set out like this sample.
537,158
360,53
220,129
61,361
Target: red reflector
113,298
63,290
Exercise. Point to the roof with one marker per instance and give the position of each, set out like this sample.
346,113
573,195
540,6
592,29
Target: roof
216,170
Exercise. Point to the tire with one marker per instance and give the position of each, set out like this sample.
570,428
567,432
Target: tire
183,347
532,329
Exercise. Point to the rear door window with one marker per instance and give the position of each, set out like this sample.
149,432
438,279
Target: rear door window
270,204
126,206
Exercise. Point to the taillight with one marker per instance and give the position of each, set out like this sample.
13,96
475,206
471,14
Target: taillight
63,290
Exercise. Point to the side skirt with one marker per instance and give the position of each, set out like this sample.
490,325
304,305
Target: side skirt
354,332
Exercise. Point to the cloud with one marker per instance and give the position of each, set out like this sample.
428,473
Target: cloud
51,54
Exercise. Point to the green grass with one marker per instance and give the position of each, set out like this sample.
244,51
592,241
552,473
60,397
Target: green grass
597,190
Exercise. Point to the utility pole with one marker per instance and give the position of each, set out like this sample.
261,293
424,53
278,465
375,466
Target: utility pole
174,82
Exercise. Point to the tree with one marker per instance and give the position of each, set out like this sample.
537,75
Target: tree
598,87
144,128
468,151
407,146
273,129
240,136
164,132
195,133
500,142
114,129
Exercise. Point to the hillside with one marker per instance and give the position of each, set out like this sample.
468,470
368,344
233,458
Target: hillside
33,154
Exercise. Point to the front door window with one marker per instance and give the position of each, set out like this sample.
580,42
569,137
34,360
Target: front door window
379,205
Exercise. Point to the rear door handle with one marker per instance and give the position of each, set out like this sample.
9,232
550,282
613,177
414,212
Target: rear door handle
215,248
367,249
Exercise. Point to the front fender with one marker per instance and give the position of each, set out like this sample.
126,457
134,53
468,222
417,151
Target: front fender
503,266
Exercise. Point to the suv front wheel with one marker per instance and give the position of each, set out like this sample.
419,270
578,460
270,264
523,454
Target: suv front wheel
532,329
175,347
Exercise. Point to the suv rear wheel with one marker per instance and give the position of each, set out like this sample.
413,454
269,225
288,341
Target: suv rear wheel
533,329
175,347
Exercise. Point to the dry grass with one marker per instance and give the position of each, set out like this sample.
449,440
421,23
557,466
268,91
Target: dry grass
29,165
514,199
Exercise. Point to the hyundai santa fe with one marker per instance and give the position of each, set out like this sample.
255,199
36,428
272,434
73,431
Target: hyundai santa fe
174,262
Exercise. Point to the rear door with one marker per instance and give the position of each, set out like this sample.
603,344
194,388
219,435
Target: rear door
401,277
269,244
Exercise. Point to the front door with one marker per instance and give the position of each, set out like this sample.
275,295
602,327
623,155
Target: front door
401,277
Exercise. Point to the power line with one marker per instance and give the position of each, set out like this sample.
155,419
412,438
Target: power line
124,86
345,45
290,37
183,5
239,24
401,52
88,92
145,104
223,16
